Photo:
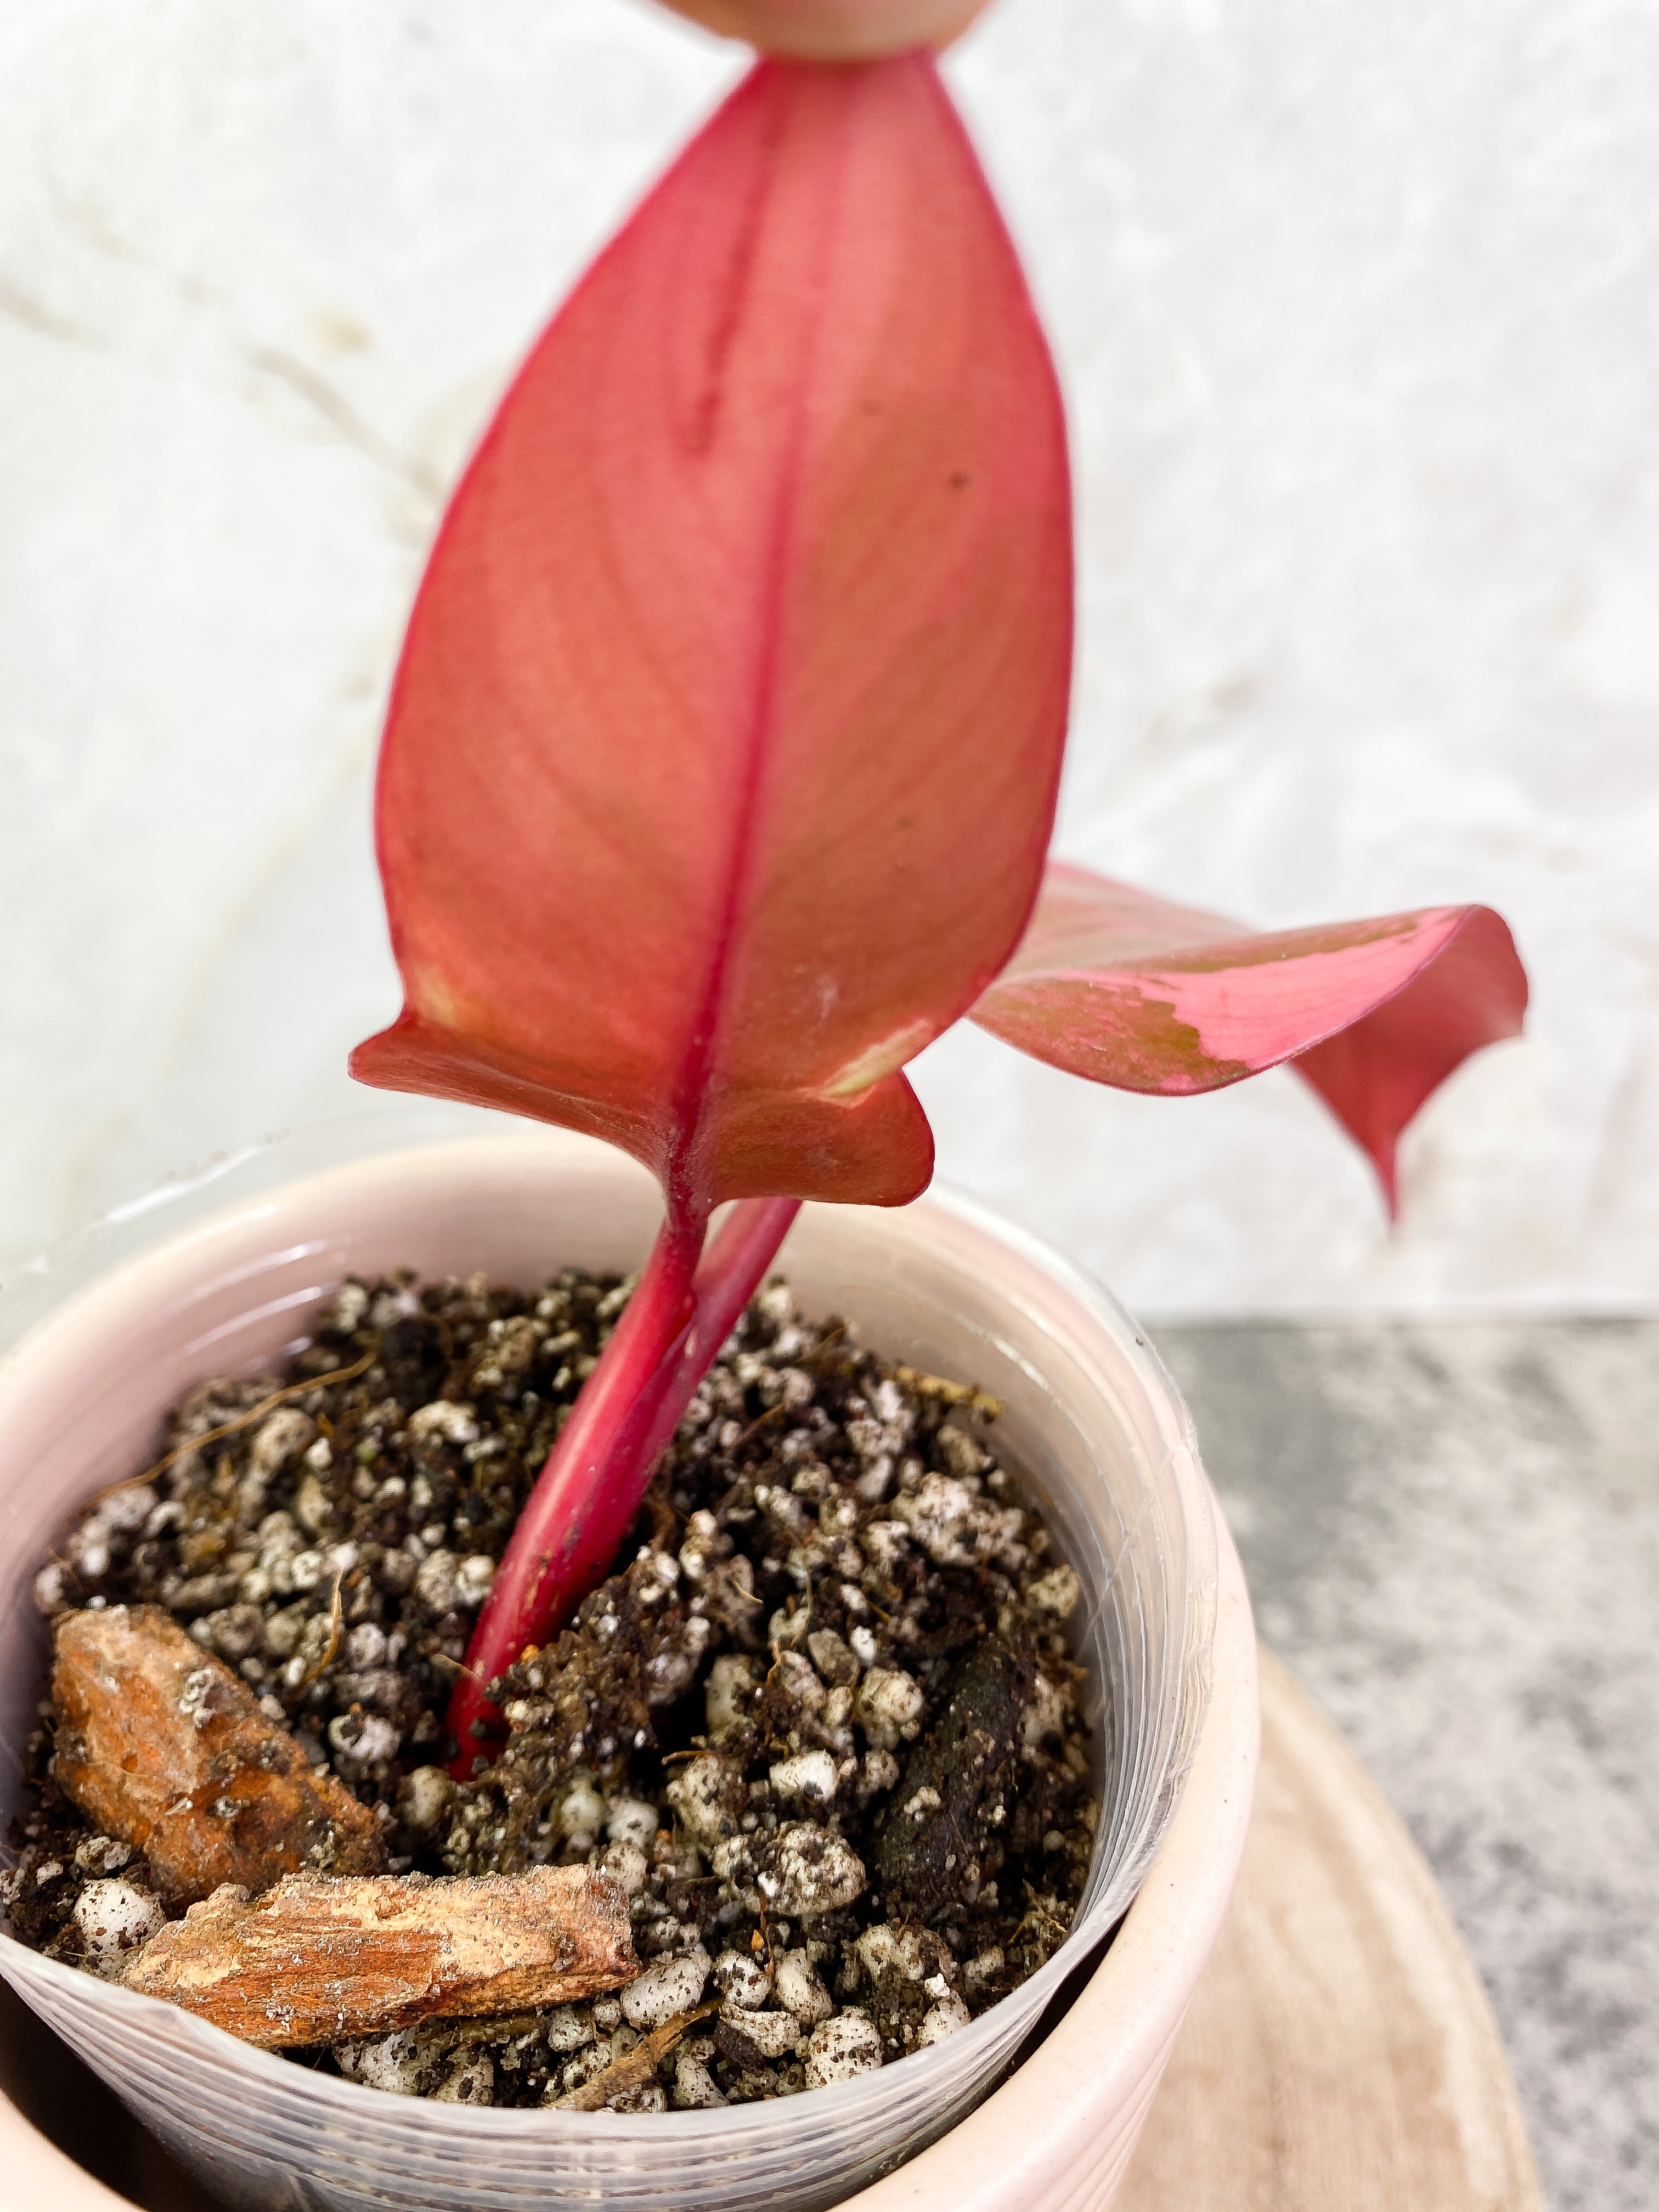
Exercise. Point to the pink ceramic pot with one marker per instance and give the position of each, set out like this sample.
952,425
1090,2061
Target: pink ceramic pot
1094,1426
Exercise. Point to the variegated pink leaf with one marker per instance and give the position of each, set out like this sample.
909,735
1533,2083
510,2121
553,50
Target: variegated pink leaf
1134,991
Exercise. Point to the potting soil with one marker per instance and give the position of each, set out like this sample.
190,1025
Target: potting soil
824,1727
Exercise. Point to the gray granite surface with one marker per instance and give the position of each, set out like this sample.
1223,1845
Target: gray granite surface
1451,1532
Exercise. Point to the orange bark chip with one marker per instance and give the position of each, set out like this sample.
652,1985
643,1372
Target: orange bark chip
159,1744
315,1961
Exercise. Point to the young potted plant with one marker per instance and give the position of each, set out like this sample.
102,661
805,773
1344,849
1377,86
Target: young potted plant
717,781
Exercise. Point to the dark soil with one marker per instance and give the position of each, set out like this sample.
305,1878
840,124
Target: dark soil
823,1727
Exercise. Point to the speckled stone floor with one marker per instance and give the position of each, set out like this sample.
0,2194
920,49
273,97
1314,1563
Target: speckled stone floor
1451,1532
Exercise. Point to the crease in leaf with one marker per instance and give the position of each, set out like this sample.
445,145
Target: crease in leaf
886,1057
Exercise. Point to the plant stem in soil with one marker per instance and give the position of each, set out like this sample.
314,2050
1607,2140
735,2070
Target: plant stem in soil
687,1303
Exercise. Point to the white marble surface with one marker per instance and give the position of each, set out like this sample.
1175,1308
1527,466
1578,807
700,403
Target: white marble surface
1355,308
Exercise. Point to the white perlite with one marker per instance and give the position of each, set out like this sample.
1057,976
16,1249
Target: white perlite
631,1820
983,1968
728,1693
744,1980
943,2019
424,1798
695,2088
888,1708
390,2062
113,1919
957,1529
1045,1717
813,1871
280,1438
774,2035
891,1946
698,1795
581,1809
809,1777
450,1424
800,1990
1056,1592
643,2097
841,2049
368,1736
670,1987
564,2028
627,1866
435,1581
470,2082
472,1580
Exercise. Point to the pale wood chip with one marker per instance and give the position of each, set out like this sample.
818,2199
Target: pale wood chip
922,1385
159,1744
634,2066
319,1961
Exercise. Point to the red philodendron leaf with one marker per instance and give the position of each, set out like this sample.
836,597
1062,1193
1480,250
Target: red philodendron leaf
722,754
1131,990
721,757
